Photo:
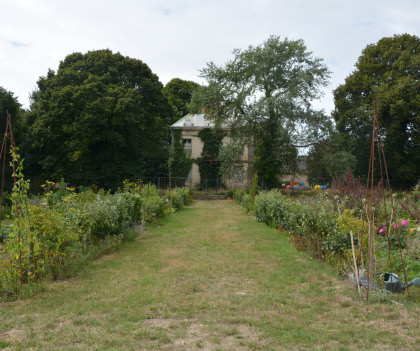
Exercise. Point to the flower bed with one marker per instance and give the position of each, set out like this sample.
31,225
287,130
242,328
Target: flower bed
64,228
323,224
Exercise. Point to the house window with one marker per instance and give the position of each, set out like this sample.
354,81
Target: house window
238,174
187,146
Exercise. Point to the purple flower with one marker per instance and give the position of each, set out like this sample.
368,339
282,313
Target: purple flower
404,223
396,226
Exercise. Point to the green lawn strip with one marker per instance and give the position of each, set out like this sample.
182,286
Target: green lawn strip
207,278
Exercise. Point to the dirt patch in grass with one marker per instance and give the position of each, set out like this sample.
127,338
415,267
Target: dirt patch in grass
197,335
158,323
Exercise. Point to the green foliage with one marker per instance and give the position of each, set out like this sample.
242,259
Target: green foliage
254,188
229,155
99,119
244,198
262,95
153,205
338,163
10,104
316,224
51,236
388,70
314,161
180,197
209,164
337,241
179,92
179,165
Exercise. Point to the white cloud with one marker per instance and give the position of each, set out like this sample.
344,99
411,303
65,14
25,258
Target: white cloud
176,38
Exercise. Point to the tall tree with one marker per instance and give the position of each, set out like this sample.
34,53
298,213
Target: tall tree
179,164
264,96
390,70
328,158
209,165
178,93
101,118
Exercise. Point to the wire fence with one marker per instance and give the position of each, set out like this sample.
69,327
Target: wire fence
215,186
205,185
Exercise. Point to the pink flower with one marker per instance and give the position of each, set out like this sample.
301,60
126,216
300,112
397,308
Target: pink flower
404,223
381,230
396,226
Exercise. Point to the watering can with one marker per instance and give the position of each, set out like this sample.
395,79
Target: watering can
393,283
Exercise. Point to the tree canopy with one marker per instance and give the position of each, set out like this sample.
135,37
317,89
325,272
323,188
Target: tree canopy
100,118
264,96
388,70
10,104
179,92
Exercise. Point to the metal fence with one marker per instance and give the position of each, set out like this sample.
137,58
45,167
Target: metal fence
206,185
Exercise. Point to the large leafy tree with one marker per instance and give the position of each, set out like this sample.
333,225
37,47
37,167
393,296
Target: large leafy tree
264,96
329,158
209,165
100,118
179,92
388,70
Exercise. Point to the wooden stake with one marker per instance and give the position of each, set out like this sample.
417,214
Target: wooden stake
356,270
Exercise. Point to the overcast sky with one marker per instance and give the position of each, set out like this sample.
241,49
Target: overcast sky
176,38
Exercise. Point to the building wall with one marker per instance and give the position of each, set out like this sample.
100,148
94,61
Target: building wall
196,150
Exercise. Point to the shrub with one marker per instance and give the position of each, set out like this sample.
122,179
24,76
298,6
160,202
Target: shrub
180,197
54,233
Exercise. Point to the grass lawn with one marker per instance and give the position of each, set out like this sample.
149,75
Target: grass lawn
207,278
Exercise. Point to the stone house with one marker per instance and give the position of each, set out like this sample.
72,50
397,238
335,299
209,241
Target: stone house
190,125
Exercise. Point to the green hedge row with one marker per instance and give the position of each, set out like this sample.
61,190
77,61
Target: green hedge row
323,225
62,229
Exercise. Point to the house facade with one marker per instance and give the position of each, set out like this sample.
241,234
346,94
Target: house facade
190,125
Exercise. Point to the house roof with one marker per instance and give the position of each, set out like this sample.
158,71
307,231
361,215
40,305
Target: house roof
193,121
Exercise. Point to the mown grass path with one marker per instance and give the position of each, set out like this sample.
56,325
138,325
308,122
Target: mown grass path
207,278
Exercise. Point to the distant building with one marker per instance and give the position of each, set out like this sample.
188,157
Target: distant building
190,125
299,174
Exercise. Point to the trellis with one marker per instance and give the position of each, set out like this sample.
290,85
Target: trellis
368,213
